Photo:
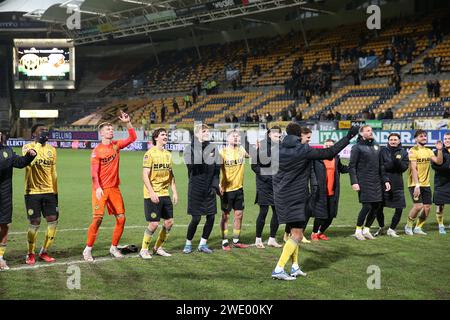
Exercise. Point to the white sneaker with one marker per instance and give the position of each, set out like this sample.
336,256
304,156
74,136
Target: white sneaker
259,244
392,233
87,255
408,231
115,252
3,265
297,272
162,253
419,231
273,243
359,235
366,233
144,254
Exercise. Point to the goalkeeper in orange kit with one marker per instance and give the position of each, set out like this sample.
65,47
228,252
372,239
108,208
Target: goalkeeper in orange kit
105,185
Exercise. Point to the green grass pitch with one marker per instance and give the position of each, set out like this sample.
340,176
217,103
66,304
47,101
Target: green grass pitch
411,267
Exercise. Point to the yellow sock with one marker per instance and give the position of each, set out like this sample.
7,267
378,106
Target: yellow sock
32,234
50,235
289,248
2,250
358,228
147,239
162,237
225,234
440,218
410,222
236,234
420,222
294,257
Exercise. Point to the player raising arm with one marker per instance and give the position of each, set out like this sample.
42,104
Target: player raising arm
419,180
105,184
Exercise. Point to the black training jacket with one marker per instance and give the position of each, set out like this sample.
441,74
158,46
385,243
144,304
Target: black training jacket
203,178
367,170
291,182
262,166
9,160
319,196
442,180
395,162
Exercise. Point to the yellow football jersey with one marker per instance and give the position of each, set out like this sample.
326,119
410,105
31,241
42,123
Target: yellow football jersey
160,164
40,175
232,171
422,155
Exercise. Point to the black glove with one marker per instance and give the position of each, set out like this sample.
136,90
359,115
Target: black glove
354,130
43,138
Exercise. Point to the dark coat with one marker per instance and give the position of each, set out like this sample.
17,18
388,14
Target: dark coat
203,178
8,161
291,182
442,180
319,201
366,169
263,172
395,162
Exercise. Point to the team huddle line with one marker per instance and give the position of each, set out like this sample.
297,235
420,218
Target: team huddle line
293,179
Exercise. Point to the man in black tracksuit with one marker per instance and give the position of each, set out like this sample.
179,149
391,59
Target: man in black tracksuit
325,191
441,195
264,189
395,161
202,161
367,177
8,161
291,194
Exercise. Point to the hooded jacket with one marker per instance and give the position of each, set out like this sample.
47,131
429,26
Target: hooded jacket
290,183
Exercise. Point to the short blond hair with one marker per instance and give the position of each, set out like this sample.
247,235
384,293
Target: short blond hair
200,127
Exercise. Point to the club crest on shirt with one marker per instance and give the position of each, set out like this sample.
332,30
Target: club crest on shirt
153,215
375,147
5,154
49,154
30,212
398,156
115,147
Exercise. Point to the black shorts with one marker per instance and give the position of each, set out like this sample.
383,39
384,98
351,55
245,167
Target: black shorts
45,204
425,195
296,225
233,200
155,211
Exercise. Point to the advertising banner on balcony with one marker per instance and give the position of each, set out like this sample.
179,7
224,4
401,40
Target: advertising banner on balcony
432,124
161,16
221,4
381,136
398,125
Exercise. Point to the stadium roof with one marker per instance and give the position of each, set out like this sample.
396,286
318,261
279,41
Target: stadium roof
117,19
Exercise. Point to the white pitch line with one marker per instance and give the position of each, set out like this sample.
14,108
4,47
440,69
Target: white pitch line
143,226
67,263
99,260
